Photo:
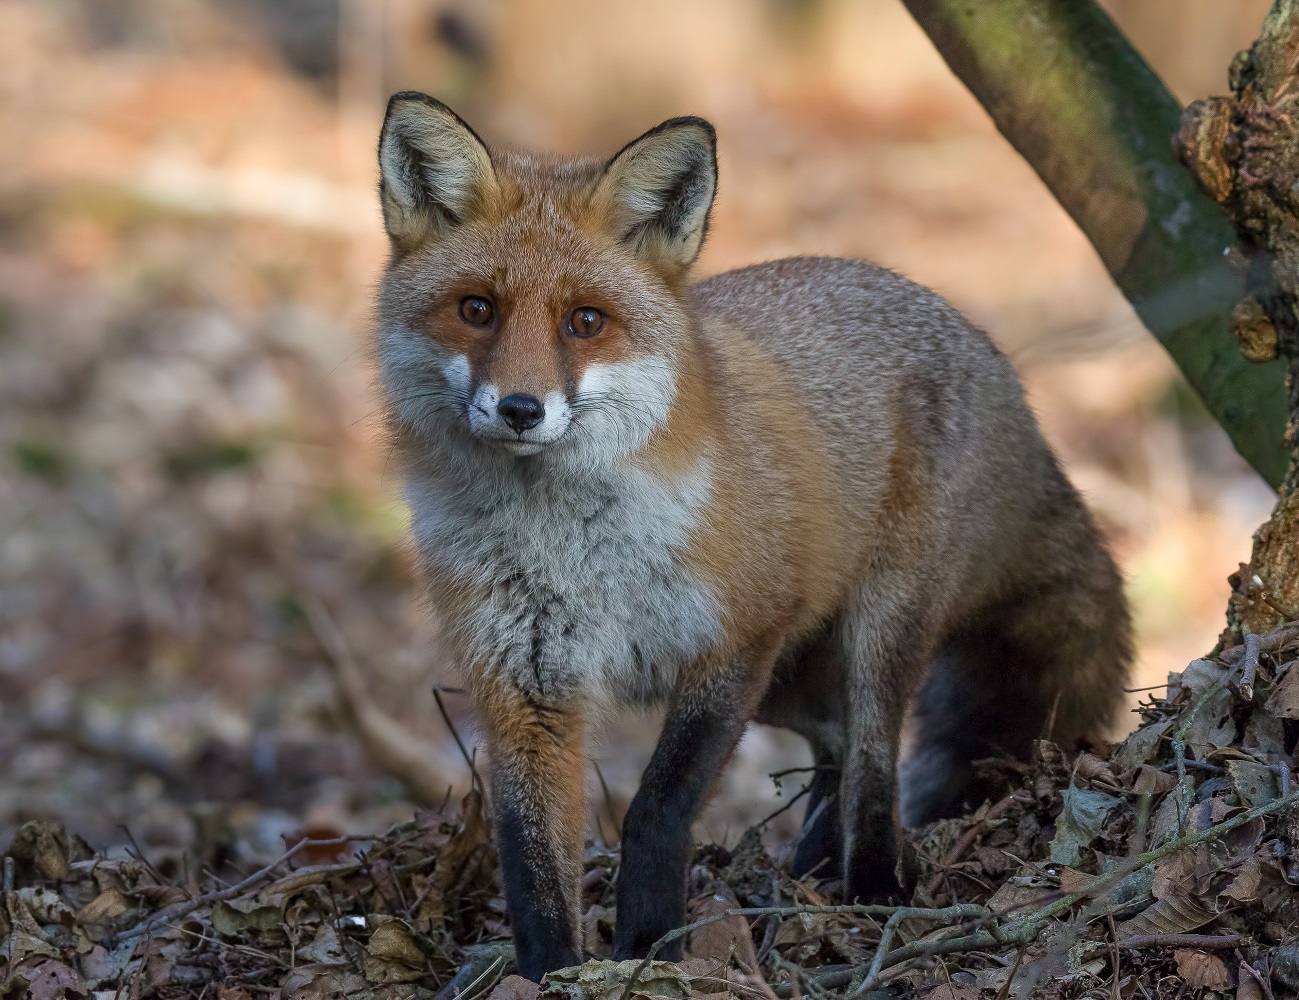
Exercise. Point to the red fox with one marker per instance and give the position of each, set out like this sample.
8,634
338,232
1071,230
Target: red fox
807,493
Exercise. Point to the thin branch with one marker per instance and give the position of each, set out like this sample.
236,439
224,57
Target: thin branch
847,909
188,906
470,759
1210,941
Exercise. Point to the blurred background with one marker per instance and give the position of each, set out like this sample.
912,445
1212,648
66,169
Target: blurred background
189,442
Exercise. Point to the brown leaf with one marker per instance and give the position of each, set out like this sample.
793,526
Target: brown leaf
54,981
722,940
469,845
1202,970
1014,895
104,907
1091,768
1249,988
1284,700
515,988
1166,916
392,955
43,847
1152,781
1174,875
1244,886
321,982
597,929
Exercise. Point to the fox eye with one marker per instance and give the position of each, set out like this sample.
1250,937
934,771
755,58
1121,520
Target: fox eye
585,322
476,310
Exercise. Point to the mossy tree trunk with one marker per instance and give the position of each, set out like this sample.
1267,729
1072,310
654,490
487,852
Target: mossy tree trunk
1244,152
1078,102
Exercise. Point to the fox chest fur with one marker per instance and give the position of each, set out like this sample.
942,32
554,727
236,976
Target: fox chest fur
568,585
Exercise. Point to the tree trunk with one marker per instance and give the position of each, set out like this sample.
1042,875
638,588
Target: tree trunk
1244,152
1078,102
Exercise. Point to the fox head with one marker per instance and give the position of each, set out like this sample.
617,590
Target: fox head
533,304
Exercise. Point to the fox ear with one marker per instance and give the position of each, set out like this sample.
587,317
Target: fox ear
435,173
658,190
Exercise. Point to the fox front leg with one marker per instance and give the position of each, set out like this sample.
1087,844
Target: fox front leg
703,726
538,791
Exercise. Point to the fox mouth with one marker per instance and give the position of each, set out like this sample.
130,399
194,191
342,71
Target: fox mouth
515,444
485,426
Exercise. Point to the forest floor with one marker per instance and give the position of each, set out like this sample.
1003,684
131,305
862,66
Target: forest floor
1164,863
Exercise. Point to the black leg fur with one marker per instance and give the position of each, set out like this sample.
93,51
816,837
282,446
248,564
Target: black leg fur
699,736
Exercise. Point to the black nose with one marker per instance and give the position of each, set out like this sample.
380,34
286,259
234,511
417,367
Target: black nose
521,411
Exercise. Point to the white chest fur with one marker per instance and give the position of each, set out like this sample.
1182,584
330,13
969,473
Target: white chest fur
577,577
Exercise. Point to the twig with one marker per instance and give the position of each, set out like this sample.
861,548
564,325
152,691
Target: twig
959,911
1028,927
1211,941
139,856
470,759
185,907
1249,668
853,909
786,807
777,775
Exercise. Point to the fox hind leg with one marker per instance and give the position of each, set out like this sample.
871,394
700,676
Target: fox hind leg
806,696
886,645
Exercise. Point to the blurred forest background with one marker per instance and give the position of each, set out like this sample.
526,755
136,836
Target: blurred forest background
190,453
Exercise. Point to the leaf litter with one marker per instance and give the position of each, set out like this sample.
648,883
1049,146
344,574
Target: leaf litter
1165,863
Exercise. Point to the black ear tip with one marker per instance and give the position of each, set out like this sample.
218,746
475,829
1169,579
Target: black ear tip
692,121
417,97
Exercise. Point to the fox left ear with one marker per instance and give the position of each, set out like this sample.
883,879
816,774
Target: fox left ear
658,191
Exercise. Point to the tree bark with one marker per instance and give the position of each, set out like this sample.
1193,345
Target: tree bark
1078,102
1244,152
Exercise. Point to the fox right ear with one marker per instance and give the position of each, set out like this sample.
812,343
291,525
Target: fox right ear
435,172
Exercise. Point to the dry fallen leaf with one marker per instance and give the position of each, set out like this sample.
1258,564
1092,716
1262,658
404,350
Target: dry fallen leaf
391,956
1284,700
515,988
321,982
1202,970
471,844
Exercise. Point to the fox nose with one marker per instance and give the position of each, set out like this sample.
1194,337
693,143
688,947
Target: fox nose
521,411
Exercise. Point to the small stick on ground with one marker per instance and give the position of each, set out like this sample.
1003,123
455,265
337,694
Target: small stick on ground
471,759
1209,941
178,910
1249,668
